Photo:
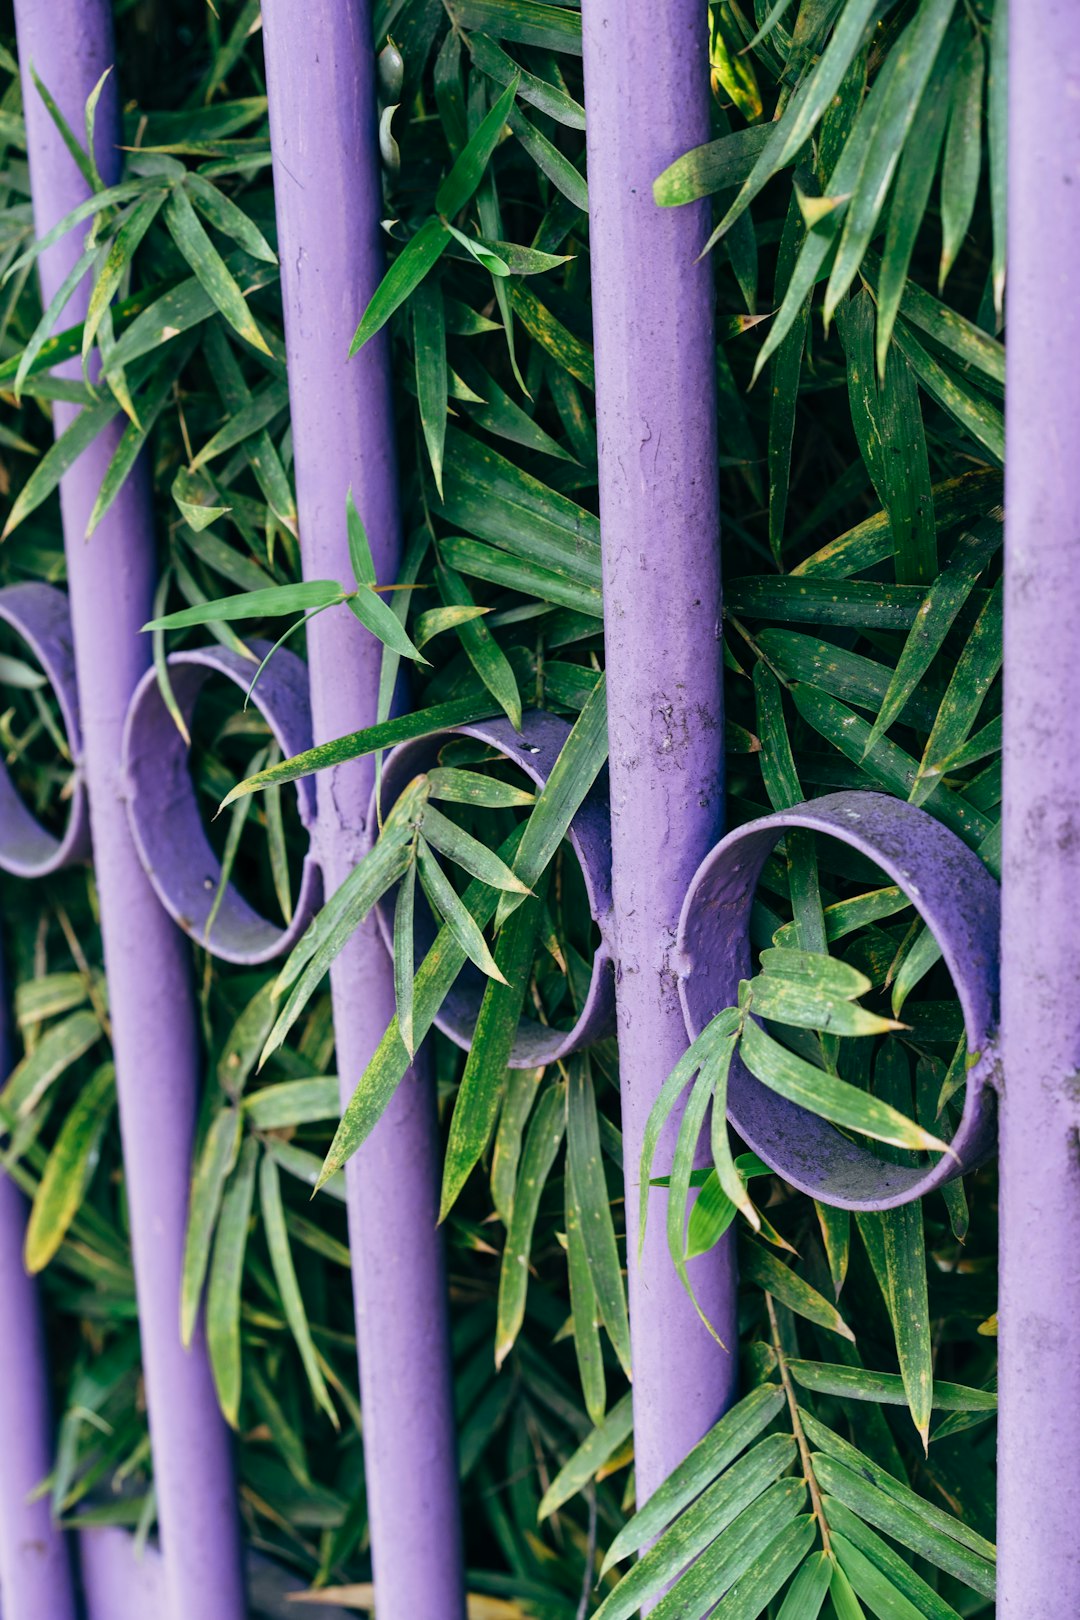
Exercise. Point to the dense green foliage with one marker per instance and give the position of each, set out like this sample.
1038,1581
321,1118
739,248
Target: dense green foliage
857,174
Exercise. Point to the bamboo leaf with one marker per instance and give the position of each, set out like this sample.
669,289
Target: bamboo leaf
406,273
277,1241
69,1168
211,271
212,1170
226,1281
541,1147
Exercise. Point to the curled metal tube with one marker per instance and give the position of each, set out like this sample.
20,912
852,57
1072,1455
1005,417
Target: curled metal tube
957,898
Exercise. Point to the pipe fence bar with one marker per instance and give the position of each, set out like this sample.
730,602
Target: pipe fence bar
1039,1435
35,1568
646,97
111,580
323,121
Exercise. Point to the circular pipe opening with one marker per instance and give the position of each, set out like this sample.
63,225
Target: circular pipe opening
958,900
164,809
38,615
534,751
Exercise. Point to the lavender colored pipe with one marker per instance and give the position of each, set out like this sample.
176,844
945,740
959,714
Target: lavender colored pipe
1039,1437
111,577
35,1573
646,98
321,83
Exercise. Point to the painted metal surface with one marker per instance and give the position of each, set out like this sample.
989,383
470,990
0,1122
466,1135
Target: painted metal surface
646,99
328,197
534,749
1039,1434
111,579
957,898
163,807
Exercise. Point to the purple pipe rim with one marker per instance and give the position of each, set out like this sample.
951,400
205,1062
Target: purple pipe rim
958,900
534,750
39,614
163,808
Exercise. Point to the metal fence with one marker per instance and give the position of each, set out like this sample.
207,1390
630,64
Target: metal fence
675,926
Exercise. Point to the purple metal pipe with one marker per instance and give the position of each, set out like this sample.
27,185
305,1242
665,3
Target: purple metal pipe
1039,1439
69,43
321,83
35,1572
646,98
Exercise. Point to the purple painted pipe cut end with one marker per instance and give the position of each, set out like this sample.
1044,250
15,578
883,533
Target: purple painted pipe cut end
958,900
164,812
534,749
39,614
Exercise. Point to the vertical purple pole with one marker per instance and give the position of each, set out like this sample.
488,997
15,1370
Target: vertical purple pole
646,98
1039,1439
110,580
35,1572
321,82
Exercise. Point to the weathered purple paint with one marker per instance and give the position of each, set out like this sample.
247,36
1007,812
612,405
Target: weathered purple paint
321,84
646,98
163,807
956,897
1039,1437
35,1571
534,749
39,614
111,580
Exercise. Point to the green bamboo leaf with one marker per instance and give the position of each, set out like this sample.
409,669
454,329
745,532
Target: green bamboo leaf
706,1519
786,369
844,1601
815,972
137,432
195,497
789,135
211,271
84,158
770,1273
808,1590
519,574
429,347
372,739
468,169
404,964
434,621
212,1169
583,1310
226,1281
711,1214
58,458
836,1236
481,648
541,1147
963,152
59,1048
550,161
912,58
293,1102
944,600
69,1168
469,787
491,260
731,1555
966,342
968,408
781,1558
834,1099
907,1522
447,906
789,1002
406,273
502,416
519,1095
897,1569
245,423
716,166
522,22
360,558
274,601
956,500
537,92
914,180
484,1079
377,616
595,1450
39,338
277,1241
565,349
997,122
586,1166
857,1384
117,261
974,673
724,1442
224,215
